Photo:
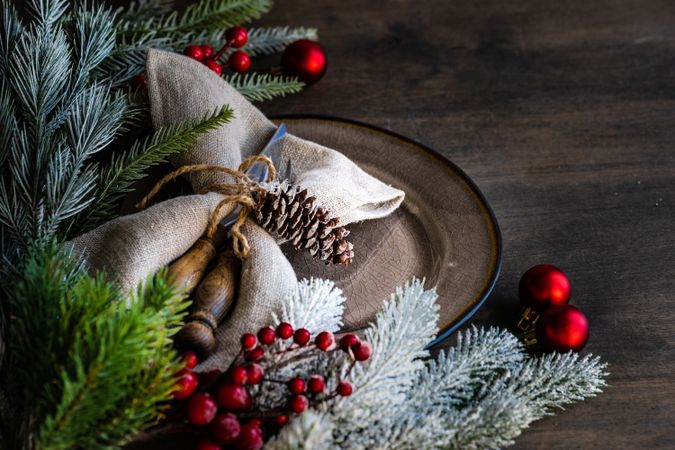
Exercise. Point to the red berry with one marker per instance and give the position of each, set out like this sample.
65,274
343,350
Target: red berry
285,330
239,375
281,420
207,445
207,50
210,376
185,386
237,35
325,341
194,52
251,436
139,82
267,336
201,409
239,61
232,397
256,354
225,428
362,351
190,359
299,403
301,336
344,388
213,65
347,341
316,384
254,373
296,385
249,341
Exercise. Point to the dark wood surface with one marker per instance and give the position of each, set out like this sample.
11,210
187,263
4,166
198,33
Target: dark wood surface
563,114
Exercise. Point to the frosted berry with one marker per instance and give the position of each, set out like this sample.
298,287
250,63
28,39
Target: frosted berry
316,384
256,354
296,385
207,50
281,420
254,373
285,330
205,444
194,52
232,397
238,36
190,359
249,341
325,341
348,341
251,436
225,428
301,336
298,404
214,66
344,388
201,409
362,351
239,61
267,336
185,386
239,375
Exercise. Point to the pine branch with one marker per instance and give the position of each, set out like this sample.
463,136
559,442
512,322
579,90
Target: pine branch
127,168
259,87
143,10
316,305
266,41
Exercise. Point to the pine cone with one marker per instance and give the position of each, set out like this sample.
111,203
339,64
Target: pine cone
286,210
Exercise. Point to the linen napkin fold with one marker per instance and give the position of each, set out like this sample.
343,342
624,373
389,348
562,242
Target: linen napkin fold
134,246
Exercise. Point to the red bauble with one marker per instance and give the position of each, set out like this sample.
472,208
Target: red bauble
233,397
238,36
251,436
194,52
347,341
254,373
344,388
325,341
201,409
285,330
302,336
239,61
267,336
207,445
316,384
542,286
190,359
256,354
214,66
239,375
225,428
296,385
248,341
207,50
562,328
185,386
298,404
304,59
362,351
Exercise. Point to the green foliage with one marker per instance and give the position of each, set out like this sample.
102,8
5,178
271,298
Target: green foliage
94,363
259,87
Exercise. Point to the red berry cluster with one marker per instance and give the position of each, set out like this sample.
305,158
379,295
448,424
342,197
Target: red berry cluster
223,410
238,61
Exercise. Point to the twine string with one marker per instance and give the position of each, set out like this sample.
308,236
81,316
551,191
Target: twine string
241,192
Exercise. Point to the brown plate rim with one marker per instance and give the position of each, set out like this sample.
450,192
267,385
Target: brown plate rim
497,256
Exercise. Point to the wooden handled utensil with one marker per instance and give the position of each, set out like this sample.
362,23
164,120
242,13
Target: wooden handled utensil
188,270
212,300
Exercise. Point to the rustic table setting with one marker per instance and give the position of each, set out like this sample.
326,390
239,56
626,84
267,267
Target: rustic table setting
561,113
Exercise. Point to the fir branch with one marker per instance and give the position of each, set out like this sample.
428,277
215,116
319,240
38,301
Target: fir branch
127,168
316,305
310,431
143,10
258,87
10,30
268,41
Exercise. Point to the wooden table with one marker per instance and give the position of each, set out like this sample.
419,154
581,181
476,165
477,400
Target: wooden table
563,113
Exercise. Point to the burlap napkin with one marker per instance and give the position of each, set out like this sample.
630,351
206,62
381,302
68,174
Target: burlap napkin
135,246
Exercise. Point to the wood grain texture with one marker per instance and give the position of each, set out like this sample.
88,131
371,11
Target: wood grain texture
562,112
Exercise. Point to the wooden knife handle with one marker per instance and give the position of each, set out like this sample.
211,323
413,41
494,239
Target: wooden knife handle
213,298
188,270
